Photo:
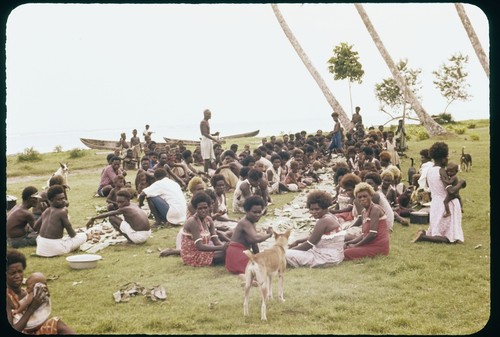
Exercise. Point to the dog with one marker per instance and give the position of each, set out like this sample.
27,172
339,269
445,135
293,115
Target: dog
262,267
62,171
465,161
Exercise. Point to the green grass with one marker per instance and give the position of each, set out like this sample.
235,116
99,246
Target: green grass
422,288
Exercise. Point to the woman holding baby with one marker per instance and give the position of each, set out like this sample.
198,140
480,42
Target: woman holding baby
443,228
16,295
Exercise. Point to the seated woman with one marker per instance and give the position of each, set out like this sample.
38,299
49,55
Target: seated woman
325,245
200,245
379,198
345,198
374,239
16,264
245,236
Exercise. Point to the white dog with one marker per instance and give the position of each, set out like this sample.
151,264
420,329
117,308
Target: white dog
62,171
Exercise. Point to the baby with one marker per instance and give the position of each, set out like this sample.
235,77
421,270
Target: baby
36,282
450,178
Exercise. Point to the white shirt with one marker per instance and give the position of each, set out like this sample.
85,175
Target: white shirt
422,181
171,192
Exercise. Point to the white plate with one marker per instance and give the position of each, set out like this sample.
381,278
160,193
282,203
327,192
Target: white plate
83,261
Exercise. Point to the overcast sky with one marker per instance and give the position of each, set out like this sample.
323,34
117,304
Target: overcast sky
110,66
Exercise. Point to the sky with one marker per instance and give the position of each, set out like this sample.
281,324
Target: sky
75,70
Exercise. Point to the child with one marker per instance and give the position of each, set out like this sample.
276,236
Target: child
450,178
119,183
35,283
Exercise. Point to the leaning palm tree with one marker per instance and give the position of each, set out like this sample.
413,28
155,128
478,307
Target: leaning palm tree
473,38
430,125
317,77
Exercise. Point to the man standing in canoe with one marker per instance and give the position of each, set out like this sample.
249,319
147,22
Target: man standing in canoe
207,149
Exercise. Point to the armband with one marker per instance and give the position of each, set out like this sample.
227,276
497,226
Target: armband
373,231
215,235
199,239
309,242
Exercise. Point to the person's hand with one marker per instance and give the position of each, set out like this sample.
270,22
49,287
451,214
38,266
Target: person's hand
124,173
90,223
38,300
293,244
269,230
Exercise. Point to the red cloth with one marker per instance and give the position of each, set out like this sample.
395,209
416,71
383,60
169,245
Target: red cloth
236,261
378,246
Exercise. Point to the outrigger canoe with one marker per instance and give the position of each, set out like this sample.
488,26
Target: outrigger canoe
98,144
197,142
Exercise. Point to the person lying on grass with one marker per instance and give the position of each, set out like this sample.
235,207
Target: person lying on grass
135,225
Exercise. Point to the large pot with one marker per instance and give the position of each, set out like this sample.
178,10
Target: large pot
11,202
419,218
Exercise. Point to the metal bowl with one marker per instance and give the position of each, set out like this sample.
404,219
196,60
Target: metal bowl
83,261
419,218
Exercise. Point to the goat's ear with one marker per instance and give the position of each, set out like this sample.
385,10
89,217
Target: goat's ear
61,164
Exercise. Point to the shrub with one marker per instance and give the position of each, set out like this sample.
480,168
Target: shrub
443,118
77,153
460,131
58,148
422,135
30,155
471,126
474,137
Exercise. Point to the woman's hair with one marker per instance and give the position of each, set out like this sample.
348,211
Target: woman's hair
373,176
215,178
322,198
438,151
362,187
194,182
254,200
396,173
349,180
425,153
200,197
385,156
15,256
386,173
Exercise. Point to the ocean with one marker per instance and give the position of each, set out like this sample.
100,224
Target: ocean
46,141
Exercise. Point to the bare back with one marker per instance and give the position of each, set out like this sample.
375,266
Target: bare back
135,217
17,219
53,222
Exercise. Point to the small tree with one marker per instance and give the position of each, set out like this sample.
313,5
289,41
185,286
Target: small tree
451,79
344,64
393,101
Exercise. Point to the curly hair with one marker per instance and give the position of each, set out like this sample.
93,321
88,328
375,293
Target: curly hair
28,192
394,170
385,156
386,173
54,190
322,198
373,176
194,182
362,187
349,180
15,256
200,197
438,151
215,178
254,200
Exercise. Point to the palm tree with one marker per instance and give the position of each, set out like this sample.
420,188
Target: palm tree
473,38
317,77
430,125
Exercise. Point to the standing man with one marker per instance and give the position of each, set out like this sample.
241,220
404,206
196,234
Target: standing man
207,149
136,145
357,120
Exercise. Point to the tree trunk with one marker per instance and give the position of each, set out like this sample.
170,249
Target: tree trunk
344,120
473,38
430,125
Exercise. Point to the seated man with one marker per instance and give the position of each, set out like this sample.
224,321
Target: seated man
51,225
108,175
165,199
20,221
134,225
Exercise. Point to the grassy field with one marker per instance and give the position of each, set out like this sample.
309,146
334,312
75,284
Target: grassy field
419,288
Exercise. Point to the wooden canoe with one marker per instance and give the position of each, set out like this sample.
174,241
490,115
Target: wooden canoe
197,142
98,144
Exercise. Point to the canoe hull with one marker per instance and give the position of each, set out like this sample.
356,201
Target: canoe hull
197,142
